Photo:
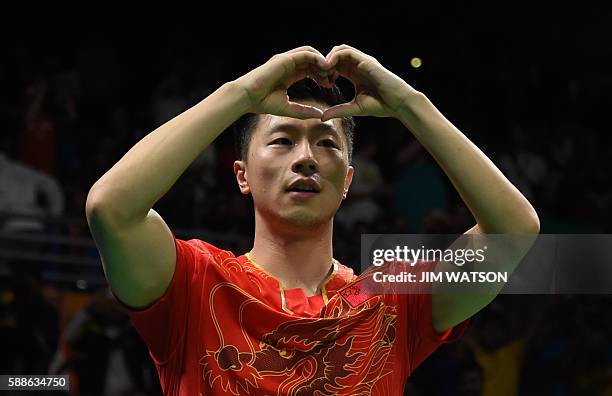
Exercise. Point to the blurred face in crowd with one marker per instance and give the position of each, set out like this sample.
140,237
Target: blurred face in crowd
492,334
296,170
471,382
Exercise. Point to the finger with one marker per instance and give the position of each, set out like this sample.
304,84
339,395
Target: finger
343,55
308,49
304,48
299,74
305,72
322,77
346,47
301,111
336,49
351,65
341,110
307,57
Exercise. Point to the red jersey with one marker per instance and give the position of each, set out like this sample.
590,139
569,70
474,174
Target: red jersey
226,327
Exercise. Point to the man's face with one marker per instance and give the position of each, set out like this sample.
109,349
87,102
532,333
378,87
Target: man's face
284,151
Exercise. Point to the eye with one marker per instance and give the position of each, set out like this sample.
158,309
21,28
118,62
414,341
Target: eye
329,143
282,141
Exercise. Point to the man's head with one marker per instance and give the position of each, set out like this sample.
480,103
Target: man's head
275,153
302,91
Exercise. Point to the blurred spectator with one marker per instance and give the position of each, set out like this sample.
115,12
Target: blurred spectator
570,355
29,324
170,98
421,186
590,350
500,357
367,184
462,375
104,351
525,166
498,349
25,191
67,88
470,379
547,371
37,146
203,176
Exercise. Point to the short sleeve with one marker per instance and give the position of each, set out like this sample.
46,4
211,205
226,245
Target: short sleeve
423,339
162,325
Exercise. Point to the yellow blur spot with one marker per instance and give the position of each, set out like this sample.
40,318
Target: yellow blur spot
7,297
416,62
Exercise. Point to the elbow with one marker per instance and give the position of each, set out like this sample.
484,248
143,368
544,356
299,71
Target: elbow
530,225
99,206
536,226
95,205
527,220
523,224
533,224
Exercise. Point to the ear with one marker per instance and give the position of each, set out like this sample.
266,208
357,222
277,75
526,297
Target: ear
348,179
241,177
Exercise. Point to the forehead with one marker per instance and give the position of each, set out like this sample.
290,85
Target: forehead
269,124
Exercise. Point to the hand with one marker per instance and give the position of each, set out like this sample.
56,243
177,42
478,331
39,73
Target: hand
266,86
378,92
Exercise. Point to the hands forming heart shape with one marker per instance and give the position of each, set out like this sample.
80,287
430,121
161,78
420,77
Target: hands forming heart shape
378,92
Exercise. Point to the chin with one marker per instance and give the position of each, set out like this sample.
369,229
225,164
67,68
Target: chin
297,216
305,218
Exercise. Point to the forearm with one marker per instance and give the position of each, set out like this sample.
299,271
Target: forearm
149,169
495,203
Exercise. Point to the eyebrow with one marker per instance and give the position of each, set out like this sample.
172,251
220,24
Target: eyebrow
286,127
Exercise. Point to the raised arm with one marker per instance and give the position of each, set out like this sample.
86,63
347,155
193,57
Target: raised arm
135,244
497,206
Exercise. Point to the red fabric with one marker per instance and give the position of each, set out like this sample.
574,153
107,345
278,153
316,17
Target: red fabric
220,329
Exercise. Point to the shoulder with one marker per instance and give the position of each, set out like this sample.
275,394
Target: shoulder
198,250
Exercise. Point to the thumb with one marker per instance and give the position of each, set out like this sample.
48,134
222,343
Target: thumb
297,110
341,110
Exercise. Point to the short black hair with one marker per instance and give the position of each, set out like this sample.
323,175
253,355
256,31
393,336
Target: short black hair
305,89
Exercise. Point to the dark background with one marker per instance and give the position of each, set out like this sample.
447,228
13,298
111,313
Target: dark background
528,85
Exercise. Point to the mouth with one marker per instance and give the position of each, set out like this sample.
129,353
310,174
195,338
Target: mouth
304,188
302,194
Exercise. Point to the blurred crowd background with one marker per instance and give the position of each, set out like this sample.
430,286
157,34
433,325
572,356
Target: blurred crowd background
531,89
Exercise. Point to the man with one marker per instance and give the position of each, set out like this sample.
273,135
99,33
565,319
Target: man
285,318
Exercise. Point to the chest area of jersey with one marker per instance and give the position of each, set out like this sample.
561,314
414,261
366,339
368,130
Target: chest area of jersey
250,346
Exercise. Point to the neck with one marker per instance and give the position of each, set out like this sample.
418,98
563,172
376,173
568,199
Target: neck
297,256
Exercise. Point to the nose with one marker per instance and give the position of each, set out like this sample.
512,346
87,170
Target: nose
305,163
